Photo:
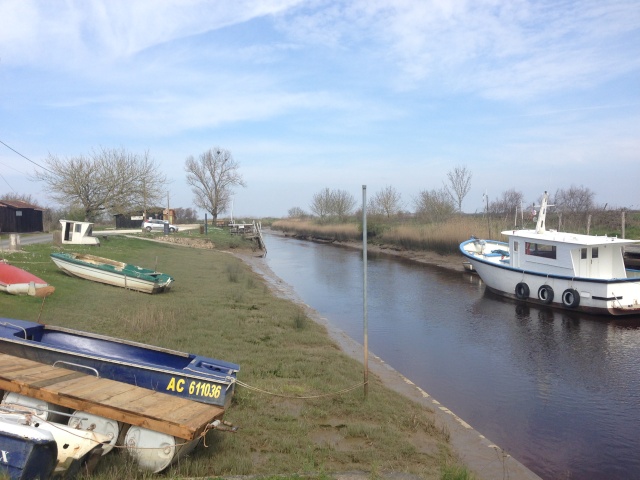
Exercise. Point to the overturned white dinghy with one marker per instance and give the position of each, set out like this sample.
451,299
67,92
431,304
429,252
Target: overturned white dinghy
78,233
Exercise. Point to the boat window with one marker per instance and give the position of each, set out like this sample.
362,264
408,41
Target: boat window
515,246
583,253
540,250
78,227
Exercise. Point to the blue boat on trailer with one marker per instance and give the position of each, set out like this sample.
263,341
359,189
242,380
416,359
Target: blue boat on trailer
185,375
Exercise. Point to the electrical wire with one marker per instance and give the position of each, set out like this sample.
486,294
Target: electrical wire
23,156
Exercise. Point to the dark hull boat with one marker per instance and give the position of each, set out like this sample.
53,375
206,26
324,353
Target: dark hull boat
26,452
176,373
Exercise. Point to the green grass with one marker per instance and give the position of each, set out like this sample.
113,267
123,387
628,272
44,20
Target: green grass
219,308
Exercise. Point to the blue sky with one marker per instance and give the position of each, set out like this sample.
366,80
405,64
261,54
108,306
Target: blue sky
529,95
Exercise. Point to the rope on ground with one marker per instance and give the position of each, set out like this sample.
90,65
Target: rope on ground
303,397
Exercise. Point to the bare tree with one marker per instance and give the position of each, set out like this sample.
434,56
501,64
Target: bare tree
507,204
20,197
321,203
434,205
105,180
212,178
459,184
339,203
342,203
574,199
186,215
296,212
387,201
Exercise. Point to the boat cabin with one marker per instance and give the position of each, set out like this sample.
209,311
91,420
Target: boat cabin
78,233
567,254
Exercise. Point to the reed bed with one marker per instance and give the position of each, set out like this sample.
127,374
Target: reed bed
337,232
444,237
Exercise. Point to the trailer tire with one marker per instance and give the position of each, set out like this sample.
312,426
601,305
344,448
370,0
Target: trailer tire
522,291
545,294
571,298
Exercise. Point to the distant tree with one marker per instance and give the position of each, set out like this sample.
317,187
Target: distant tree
387,202
342,203
459,184
321,203
574,200
186,215
332,203
434,205
20,197
296,212
212,177
507,204
106,180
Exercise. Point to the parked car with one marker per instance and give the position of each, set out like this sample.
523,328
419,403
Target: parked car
152,224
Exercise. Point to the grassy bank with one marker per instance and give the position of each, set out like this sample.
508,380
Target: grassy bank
219,308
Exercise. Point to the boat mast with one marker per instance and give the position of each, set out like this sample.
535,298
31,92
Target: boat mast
542,216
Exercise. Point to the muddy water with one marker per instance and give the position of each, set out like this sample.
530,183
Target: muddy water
560,392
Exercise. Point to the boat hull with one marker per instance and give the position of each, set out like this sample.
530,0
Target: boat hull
15,281
590,295
26,452
198,378
129,278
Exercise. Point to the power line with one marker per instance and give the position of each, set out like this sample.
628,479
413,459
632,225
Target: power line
5,181
14,150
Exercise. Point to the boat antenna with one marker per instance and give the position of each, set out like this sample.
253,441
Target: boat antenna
542,216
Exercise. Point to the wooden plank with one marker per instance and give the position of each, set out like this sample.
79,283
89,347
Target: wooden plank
125,403
54,380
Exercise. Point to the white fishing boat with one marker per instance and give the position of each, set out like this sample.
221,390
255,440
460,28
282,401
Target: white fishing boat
567,270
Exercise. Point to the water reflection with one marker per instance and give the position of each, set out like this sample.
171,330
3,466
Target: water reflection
556,389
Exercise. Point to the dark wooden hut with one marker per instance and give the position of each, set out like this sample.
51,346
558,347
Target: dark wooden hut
134,219
17,216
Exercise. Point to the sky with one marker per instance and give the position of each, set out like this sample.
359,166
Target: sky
306,95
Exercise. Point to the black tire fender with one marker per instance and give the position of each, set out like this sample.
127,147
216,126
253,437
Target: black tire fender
522,291
545,294
571,298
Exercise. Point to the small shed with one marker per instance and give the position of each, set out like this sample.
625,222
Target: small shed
17,216
78,233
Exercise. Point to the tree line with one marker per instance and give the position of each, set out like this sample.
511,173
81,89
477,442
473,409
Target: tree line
116,181
439,204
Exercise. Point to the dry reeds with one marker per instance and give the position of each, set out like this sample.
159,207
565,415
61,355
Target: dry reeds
341,232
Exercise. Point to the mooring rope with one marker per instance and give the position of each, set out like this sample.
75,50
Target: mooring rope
300,397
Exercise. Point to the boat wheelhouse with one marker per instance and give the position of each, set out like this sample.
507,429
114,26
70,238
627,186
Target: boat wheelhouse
568,270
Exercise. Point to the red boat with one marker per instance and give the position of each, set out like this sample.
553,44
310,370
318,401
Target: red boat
16,281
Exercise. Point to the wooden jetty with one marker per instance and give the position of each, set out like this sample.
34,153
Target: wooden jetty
118,401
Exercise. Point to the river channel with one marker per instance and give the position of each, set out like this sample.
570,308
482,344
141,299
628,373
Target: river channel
558,391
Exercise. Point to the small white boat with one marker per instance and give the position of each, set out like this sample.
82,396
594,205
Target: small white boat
112,272
78,233
73,447
566,270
